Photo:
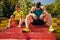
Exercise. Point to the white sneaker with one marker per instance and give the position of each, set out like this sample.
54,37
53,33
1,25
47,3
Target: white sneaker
19,26
8,26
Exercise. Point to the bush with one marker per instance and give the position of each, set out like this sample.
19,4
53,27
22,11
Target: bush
58,22
54,24
54,20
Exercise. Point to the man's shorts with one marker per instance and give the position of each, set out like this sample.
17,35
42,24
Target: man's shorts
38,22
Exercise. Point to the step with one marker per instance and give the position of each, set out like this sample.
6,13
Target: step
14,33
36,32
26,39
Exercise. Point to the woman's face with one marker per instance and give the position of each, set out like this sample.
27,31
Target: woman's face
17,9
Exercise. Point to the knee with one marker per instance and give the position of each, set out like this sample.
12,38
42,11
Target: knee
41,17
12,16
49,15
28,16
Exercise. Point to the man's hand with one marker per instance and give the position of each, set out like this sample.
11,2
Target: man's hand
33,8
41,16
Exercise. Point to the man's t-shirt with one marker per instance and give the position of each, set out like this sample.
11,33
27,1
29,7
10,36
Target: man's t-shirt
38,12
18,15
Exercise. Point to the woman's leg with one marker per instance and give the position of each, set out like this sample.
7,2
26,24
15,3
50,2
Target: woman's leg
11,19
20,22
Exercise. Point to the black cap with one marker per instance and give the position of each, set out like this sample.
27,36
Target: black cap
38,4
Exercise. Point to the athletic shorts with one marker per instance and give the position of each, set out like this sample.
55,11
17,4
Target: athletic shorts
38,22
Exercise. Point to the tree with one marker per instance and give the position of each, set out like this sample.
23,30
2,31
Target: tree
9,7
25,6
1,8
57,3
54,8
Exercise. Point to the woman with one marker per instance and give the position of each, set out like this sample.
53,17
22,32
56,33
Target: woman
17,16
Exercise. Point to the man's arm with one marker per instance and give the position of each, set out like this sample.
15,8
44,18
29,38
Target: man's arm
32,10
44,10
43,7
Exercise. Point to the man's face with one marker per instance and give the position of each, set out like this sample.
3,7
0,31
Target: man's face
37,8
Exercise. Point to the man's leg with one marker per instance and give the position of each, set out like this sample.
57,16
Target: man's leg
41,17
48,19
29,20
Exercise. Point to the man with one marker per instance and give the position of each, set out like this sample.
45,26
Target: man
17,16
38,15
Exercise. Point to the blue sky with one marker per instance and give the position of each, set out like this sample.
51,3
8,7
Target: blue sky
44,2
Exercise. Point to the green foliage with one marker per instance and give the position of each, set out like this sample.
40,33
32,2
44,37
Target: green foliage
54,8
25,6
1,8
58,22
54,20
9,5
